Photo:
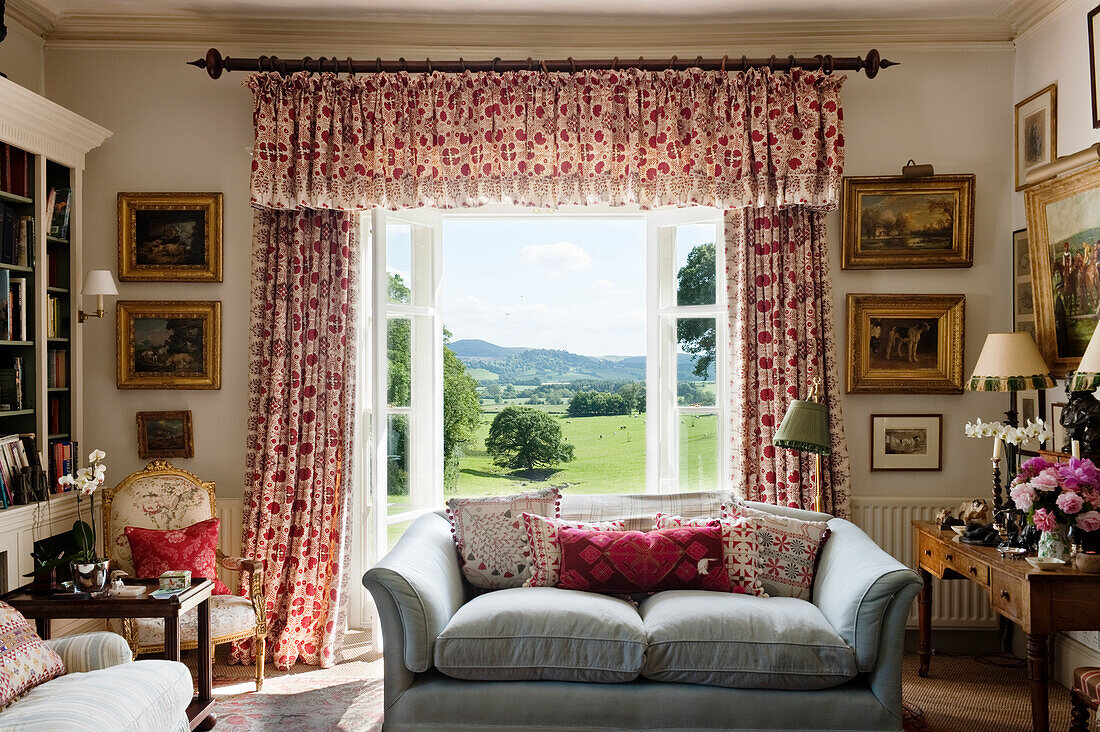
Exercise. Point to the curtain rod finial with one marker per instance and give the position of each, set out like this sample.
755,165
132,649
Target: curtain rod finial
212,62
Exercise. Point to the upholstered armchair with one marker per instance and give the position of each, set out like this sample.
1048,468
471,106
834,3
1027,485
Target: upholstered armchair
165,497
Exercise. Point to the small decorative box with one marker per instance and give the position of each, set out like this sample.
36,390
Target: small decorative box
175,579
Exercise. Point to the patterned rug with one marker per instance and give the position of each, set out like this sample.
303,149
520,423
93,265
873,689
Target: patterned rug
297,704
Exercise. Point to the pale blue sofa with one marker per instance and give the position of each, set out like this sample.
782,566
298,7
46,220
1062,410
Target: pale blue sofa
104,690
785,664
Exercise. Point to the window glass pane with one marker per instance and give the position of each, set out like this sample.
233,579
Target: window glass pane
397,464
394,532
698,452
695,264
399,371
399,261
695,367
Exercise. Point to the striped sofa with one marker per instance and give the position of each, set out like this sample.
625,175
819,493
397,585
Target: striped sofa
104,689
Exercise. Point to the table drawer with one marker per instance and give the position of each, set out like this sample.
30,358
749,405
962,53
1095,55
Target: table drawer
972,569
929,553
1008,596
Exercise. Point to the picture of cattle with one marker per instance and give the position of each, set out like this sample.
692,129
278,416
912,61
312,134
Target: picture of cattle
170,237
169,346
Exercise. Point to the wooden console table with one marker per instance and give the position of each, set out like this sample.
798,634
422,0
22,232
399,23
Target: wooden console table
1039,602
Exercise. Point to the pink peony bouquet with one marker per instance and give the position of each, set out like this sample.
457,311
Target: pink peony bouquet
1058,493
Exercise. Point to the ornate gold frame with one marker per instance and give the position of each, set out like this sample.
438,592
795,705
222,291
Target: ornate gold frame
143,434
946,378
128,206
961,253
247,567
1036,199
208,310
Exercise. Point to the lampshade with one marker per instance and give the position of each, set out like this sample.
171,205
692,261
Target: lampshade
99,282
1010,362
805,427
1087,376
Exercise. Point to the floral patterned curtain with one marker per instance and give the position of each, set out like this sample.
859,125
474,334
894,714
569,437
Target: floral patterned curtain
301,400
783,337
711,138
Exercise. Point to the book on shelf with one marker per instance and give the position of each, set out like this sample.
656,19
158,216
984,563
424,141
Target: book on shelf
59,216
11,384
16,452
7,242
17,298
56,317
15,167
24,241
62,456
57,371
55,416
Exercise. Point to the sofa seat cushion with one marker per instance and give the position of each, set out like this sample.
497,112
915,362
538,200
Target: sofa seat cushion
145,696
742,642
536,633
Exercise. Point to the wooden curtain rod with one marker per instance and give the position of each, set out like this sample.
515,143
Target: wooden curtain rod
215,64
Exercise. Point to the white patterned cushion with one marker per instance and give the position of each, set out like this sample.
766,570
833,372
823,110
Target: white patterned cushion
491,538
229,614
91,651
156,502
739,549
25,661
542,534
788,549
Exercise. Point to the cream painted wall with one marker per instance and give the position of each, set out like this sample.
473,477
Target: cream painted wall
174,129
21,57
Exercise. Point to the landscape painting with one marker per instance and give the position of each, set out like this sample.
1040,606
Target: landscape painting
169,345
892,223
1064,224
165,435
905,343
906,441
170,237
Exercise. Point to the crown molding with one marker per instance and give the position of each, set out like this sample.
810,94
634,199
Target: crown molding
499,35
1054,10
34,15
1022,15
40,126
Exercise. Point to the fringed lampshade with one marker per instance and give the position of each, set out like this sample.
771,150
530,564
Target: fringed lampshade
1011,362
1087,375
805,427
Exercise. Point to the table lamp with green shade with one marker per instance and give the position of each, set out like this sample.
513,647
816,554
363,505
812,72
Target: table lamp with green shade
805,428
1087,375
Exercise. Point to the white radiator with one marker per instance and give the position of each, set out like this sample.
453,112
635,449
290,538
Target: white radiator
955,603
229,536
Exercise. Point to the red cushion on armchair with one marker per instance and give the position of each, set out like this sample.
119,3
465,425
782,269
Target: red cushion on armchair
684,558
195,548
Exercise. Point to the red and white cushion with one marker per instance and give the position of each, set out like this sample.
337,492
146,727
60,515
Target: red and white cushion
788,550
491,538
25,661
542,534
738,549
195,548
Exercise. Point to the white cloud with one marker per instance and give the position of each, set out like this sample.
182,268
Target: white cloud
557,259
604,285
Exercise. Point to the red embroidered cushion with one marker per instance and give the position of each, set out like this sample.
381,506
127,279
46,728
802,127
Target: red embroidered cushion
194,548
683,558
25,661
738,547
542,534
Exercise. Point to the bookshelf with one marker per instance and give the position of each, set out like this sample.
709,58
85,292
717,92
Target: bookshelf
42,150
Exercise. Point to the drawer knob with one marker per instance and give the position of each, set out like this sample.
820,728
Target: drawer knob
1004,594
927,552
974,570
949,557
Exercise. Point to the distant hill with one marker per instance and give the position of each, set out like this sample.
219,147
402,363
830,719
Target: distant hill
518,364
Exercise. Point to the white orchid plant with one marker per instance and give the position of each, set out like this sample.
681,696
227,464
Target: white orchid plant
1034,430
86,481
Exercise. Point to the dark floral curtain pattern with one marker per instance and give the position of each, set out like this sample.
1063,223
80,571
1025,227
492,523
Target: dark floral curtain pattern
783,337
711,138
301,400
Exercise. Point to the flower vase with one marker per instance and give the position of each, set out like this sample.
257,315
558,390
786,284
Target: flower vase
1054,544
90,576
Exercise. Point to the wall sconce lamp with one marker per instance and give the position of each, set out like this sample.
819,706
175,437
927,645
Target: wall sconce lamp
912,170
98,282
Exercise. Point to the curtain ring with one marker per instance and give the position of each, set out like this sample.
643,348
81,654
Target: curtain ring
771,64
351,69
827,64
542,66
428,63
791,62
744,63
404,64
261,61
572,65
614,63
307,59
672,61
462,64
820,61
530,63
699,61
641,63
378,64
493,68
724,59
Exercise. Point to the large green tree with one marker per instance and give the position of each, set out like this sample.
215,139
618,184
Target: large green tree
696,282
522,438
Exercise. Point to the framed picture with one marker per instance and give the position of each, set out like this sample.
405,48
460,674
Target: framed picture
908,223
906,441
1036,132
170,237
1094,60
1023,298
1029,406
1063,223
905,344
169,344
1060,438
165,435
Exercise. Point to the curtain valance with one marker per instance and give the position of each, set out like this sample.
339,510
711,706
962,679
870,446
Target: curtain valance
724,139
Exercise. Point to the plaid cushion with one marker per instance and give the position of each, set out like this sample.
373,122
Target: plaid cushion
638,509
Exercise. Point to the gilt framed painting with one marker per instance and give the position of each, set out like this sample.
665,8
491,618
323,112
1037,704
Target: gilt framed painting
905,344
1063,223
169,344
908,223
1094,61
1036,132
170,237
165,435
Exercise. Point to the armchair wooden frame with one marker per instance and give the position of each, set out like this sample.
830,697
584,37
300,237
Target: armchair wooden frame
253,568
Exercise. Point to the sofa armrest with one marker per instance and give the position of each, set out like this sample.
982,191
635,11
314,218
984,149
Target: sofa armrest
421,582
91,651
856,582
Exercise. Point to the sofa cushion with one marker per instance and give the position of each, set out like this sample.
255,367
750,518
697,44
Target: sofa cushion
533,633
542,534
742,642
787,550
491,538
739,549
193,548
25,661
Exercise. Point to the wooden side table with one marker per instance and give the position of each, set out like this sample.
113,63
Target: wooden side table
1039,602
51,605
